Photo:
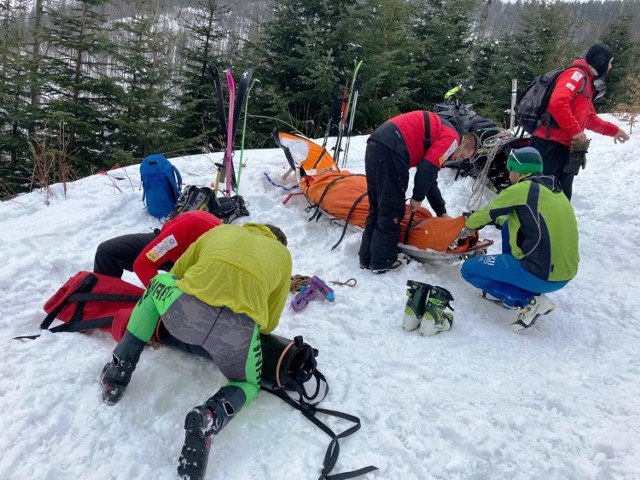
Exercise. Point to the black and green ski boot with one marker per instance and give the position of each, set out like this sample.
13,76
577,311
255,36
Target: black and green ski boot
415,307
435,319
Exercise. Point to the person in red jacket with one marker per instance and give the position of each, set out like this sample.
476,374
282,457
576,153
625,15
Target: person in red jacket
146,253
417,139
571,110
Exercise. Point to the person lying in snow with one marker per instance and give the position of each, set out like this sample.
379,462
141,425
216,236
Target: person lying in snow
227,288
539,241
146,253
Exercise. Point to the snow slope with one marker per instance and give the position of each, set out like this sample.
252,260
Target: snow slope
561,401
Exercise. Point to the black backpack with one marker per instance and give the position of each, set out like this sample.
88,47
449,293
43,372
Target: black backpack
531,107
203,198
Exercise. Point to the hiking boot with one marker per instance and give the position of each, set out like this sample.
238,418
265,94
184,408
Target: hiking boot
397,265
497,301
415,307
199,427
435,319
527,316
116,374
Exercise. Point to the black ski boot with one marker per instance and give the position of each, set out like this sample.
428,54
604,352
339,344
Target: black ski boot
415,307
116,374
201,424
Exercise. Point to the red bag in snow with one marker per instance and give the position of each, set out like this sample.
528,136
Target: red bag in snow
91,300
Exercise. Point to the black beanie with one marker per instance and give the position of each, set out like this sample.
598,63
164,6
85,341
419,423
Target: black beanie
598,57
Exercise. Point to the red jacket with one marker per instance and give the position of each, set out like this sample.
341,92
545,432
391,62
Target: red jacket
174,239
444,140
574,113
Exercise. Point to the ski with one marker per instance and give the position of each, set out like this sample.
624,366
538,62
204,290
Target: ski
332,113
222,118
348,96
241,91
228,155
215,76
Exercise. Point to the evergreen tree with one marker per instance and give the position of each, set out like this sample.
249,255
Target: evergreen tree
78,91
302,53
626,59
444,29
145,58
16,115
390,53
195,119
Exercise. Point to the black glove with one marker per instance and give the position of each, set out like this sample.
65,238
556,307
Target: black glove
577,157
576,160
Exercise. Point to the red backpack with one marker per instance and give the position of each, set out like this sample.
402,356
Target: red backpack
91,300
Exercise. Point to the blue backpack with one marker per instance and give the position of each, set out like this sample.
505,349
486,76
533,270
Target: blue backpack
161,185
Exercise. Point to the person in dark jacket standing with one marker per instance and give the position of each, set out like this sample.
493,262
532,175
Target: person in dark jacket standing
563,144
417,139
539,241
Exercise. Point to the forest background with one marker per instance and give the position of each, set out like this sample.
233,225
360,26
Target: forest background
86,85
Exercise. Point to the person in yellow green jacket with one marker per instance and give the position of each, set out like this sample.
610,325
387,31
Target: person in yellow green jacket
539,241
228,287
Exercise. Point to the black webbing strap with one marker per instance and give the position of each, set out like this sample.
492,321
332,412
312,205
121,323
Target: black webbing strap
349,215
333,450
317,206
427,131
408,230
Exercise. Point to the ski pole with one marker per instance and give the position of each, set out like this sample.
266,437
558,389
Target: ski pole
244,131
351,119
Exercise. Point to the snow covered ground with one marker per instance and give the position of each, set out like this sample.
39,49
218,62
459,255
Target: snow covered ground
561,401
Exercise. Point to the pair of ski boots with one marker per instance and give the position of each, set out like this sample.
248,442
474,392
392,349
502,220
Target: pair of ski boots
425,309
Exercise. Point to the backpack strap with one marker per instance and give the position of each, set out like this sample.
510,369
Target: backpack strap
178,177
427,130
81,296
333,450
549,118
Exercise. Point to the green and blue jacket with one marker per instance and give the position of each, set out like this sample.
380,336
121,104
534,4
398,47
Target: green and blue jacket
543,231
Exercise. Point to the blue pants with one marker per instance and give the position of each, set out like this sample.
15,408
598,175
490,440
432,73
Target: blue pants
504,277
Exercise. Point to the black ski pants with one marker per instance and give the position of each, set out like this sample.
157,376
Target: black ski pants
554,158
387,180
118,254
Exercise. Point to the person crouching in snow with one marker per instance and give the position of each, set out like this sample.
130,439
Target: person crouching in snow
539,241
228,287
417,139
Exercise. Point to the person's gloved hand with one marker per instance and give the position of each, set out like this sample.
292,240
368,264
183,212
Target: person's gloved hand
577,156
466,233
415,205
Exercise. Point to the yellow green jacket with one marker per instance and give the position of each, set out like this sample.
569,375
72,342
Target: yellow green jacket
243,268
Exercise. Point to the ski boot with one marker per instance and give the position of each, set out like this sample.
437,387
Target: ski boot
435,319
116,374
310,291
201,424
527,316
415,307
